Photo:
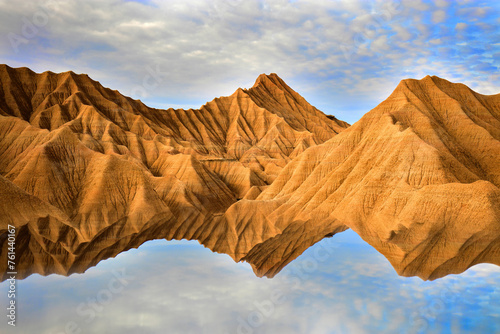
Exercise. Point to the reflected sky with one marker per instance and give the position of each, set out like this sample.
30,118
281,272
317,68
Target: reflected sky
340,285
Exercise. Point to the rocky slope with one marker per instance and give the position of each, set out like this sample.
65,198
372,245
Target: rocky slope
261,175
417,177
86,172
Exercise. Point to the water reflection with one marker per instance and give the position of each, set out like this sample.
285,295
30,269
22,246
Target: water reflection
341,285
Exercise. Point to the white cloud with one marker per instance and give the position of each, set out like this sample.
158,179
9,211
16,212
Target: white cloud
460,26
438,16
380,44
484,270
474,13
442,3
402,32
416,4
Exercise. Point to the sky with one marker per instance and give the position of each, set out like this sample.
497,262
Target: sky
340,285
343,56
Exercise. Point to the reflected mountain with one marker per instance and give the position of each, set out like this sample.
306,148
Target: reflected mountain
87,173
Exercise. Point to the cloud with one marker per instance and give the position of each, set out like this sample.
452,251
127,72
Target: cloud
436,41
460,26
442,3
474,13
416,4
402,33
438,16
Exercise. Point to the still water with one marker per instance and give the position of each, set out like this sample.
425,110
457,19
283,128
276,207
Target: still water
340,285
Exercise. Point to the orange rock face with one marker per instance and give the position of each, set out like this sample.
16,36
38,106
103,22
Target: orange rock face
86,173
417,178
261,175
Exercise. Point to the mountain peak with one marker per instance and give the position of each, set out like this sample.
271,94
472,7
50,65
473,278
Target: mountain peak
434,84
430,79
273,78
272,93
272,83
29,70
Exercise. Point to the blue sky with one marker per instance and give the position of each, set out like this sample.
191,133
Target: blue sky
341,285
344,56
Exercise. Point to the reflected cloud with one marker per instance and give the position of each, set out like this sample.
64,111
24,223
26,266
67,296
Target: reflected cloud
184,288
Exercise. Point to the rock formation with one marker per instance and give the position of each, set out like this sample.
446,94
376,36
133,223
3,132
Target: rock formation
261,175
87,173
417,177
